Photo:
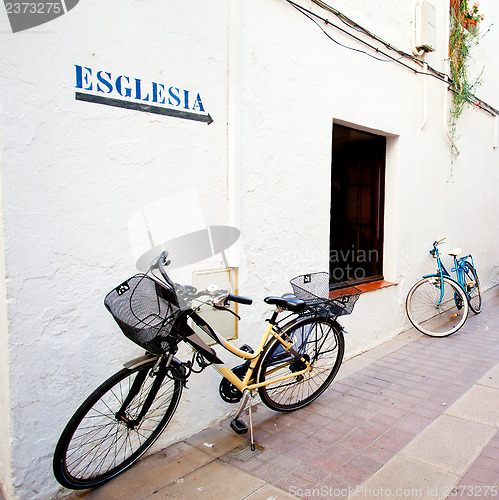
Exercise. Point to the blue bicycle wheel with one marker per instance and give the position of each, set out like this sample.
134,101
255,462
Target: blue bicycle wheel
437,307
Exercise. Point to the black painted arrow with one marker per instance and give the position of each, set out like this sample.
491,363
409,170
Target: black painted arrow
138,106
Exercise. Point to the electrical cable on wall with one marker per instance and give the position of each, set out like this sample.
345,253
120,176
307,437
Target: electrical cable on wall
299,8
349,22
429,71
309,14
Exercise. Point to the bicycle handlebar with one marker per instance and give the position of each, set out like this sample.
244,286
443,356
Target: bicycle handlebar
190,291
435,243
238,298
159,263
223,297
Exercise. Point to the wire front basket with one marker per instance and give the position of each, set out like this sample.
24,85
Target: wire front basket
145,310
314,290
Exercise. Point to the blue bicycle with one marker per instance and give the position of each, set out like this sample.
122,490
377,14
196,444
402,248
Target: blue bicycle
438,304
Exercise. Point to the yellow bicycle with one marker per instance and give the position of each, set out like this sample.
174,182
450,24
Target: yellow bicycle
296,360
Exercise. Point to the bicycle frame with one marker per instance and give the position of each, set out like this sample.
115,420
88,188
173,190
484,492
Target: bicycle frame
458,269
243,385
442,272
211,356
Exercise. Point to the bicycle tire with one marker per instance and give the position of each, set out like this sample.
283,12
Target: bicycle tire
96,446
432,316
321,339
472,288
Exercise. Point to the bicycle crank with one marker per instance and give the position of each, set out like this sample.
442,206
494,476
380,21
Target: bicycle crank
228,391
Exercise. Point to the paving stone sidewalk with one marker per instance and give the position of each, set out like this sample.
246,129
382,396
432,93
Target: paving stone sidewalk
417,417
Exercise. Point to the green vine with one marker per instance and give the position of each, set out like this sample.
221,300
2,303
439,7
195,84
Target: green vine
463,36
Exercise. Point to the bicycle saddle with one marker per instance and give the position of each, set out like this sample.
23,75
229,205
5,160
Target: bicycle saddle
455,252
292,304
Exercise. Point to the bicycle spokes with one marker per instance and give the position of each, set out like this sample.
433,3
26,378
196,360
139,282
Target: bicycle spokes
115,426
322,352
437,306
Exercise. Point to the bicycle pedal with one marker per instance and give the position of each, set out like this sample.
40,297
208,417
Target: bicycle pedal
238,426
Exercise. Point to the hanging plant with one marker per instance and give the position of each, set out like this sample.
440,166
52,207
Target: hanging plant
465,22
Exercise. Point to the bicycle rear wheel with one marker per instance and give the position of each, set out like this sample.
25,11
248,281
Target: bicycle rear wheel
472,288
320,342
437,307
101,439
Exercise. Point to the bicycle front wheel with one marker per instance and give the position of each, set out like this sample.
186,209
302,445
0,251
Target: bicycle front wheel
320,342
437,307
472,288
104,437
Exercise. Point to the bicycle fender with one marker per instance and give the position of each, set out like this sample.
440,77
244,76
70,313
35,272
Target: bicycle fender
141,360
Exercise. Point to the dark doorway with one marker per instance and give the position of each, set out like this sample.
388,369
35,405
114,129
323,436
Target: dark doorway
357,206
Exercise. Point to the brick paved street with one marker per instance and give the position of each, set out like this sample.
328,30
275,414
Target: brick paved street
419,418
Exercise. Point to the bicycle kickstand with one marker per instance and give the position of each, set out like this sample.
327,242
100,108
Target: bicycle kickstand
237,425
251,423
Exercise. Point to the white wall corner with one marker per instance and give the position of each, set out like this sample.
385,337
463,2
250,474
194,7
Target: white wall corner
5,436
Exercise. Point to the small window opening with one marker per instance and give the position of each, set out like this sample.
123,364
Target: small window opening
357,206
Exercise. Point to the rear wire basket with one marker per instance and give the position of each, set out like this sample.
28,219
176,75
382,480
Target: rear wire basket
314,290
146,311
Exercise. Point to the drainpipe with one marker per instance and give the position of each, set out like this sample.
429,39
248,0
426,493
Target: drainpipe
415,21
494,141
233,121
425,96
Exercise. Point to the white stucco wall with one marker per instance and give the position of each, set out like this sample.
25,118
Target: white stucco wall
75,173
5,441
